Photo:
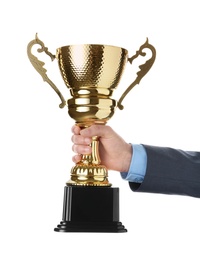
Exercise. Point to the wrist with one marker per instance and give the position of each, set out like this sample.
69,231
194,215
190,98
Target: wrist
127,158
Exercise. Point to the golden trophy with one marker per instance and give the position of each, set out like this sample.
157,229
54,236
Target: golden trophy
91,72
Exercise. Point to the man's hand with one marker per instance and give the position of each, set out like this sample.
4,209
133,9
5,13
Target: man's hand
114,152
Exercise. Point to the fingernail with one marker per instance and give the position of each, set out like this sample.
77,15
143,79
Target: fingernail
87,140
87,149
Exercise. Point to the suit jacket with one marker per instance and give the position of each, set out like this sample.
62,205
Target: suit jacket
170,171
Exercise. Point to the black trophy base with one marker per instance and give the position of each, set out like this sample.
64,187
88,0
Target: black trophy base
90,209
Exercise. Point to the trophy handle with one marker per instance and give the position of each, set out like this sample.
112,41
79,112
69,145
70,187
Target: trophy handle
38,65
144,68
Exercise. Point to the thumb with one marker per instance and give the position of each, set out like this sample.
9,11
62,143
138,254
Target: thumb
97,130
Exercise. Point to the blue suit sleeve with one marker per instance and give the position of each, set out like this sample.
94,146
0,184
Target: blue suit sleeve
137,169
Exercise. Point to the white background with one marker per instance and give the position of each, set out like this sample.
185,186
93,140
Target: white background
35,138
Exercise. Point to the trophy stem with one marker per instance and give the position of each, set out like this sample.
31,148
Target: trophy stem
89,171
94,157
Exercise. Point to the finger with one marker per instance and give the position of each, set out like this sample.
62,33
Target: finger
76,158
78,139
76,129
81,149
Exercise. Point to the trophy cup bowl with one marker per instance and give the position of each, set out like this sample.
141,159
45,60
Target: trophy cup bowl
91,72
